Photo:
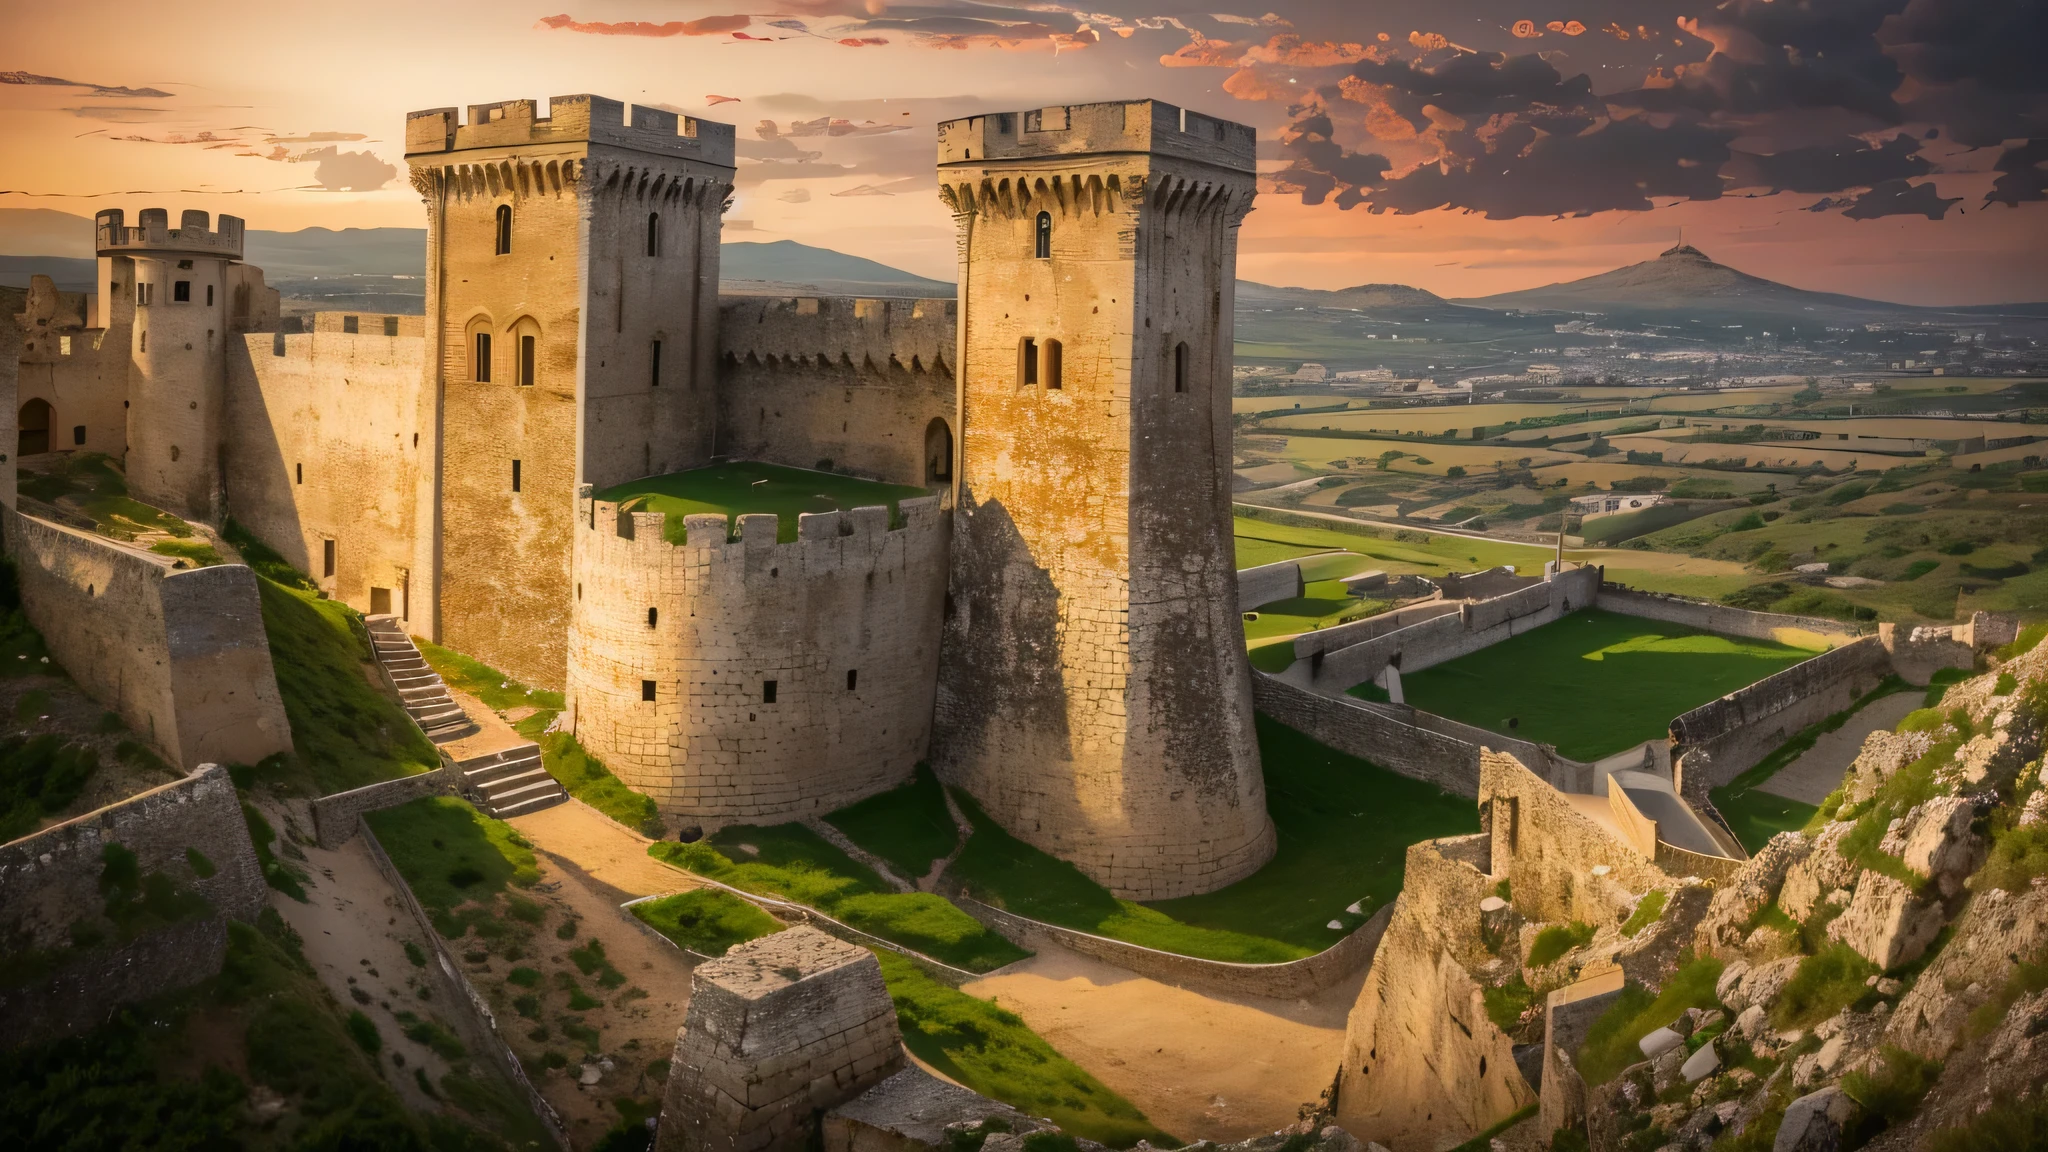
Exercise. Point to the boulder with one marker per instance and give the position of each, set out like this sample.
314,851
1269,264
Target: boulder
1883,754
1659,1042
1822,871
1701,1063
1723,929
1752,1023
1998,926
1761,985
1724,988
1886,922
1814,1122
1664,1069
1940,844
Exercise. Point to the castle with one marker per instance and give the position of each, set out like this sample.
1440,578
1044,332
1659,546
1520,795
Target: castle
1054,625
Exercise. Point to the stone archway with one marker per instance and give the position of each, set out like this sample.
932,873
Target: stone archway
938,453
35,428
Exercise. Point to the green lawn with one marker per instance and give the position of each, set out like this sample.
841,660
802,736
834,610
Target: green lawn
794,863
1344,827
992,1051
1755,815
707,921
910,827
1609,681
345,732
452,855
739,488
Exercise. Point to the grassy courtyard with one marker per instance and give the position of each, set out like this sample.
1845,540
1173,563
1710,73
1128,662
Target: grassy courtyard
1607,681
744,487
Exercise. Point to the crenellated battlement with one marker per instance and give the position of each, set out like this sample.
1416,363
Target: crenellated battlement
846,335
1145,126
154,236
580,118
710,537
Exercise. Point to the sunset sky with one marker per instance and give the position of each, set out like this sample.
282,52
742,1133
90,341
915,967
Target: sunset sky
1885,148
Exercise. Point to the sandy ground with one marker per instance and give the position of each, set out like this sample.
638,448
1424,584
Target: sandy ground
1221,1068
493,734
608,854
1819,769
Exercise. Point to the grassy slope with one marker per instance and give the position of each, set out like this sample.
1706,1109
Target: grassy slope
585,777
707,921
910,827
1344,827
345,732
739,488
993,1051
1612,681
453,856
792,862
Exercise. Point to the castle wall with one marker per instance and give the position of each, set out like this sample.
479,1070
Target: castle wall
49,879
1721,739
1095,694
323,429
856,382
1723,619
181,655
81,372
1547,846
850,595
1440,638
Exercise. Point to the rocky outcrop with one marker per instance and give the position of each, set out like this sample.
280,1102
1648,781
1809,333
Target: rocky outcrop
1823,871
1998,928
1724,928
1814,1122
1886,922
1883,754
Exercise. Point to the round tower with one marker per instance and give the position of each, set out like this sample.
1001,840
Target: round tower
177,356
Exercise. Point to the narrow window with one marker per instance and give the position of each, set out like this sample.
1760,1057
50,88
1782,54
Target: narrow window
480,364
1052,364
145,341
63,345
351,324
1042,242
1180,367
654,367
181,292
767,691
654,233
78,434
515,475
526,344
653,614
647,690
852,678
145,293
1027,361
327,558
391,325
277,344
209,295
504,229
299,473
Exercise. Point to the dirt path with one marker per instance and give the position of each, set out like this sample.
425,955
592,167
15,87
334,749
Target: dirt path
1819,769
606,852
1217,1068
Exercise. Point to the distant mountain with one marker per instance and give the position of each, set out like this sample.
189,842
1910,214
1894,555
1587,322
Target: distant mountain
1684,280
785,267
1378,297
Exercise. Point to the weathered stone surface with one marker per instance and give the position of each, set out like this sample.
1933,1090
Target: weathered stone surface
1760,985
1883,754
1822,871
1700,1063
1886,922
1937,841
1814,1122
1658,1042
1997,927
912,1111
1725,927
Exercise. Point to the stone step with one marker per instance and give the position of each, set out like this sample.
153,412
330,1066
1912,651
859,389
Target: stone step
500,769
534,805
519,788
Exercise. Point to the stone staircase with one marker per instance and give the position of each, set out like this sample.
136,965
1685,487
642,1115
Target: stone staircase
512,782
508,781
420,688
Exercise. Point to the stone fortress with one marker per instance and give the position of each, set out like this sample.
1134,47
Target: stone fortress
1054,625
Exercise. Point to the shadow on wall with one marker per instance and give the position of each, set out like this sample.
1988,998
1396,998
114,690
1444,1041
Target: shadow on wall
257,480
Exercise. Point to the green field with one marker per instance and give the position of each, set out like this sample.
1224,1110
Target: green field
1609,681
707,921
737,489
909,827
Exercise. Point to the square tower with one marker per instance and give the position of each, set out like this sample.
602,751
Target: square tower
1094,689
572,311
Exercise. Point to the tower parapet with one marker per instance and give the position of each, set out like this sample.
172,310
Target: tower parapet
579,118
1152,127
154,236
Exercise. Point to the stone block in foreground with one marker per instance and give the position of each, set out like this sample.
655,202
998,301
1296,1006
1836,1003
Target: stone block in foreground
779,1030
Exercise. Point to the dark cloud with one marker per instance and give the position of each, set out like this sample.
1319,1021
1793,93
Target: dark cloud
1473,84
1847,163
2022,175
1997,44
1898,198
1319,166
1563,166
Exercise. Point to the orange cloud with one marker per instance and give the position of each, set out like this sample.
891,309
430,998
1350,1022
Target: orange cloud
1258,84
1292,51
1202,52
708,26
1526,30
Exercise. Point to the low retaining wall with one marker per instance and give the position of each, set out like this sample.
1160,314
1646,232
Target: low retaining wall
1721,739
1547,847
336,818
1720,617
179,654
1402,739
1476,624
1267,583
1293,979
1370,628
452,975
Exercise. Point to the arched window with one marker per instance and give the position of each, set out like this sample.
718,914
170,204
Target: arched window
938,452
504,229
1042,237
1027,362
526,349
1052,364
1180,366
479,344
654,233
35,428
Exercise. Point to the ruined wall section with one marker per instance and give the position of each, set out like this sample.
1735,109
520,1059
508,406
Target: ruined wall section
584,280
861,383
1095,694
1719,740
79,370
1548,845
844,622
323,445
181,655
